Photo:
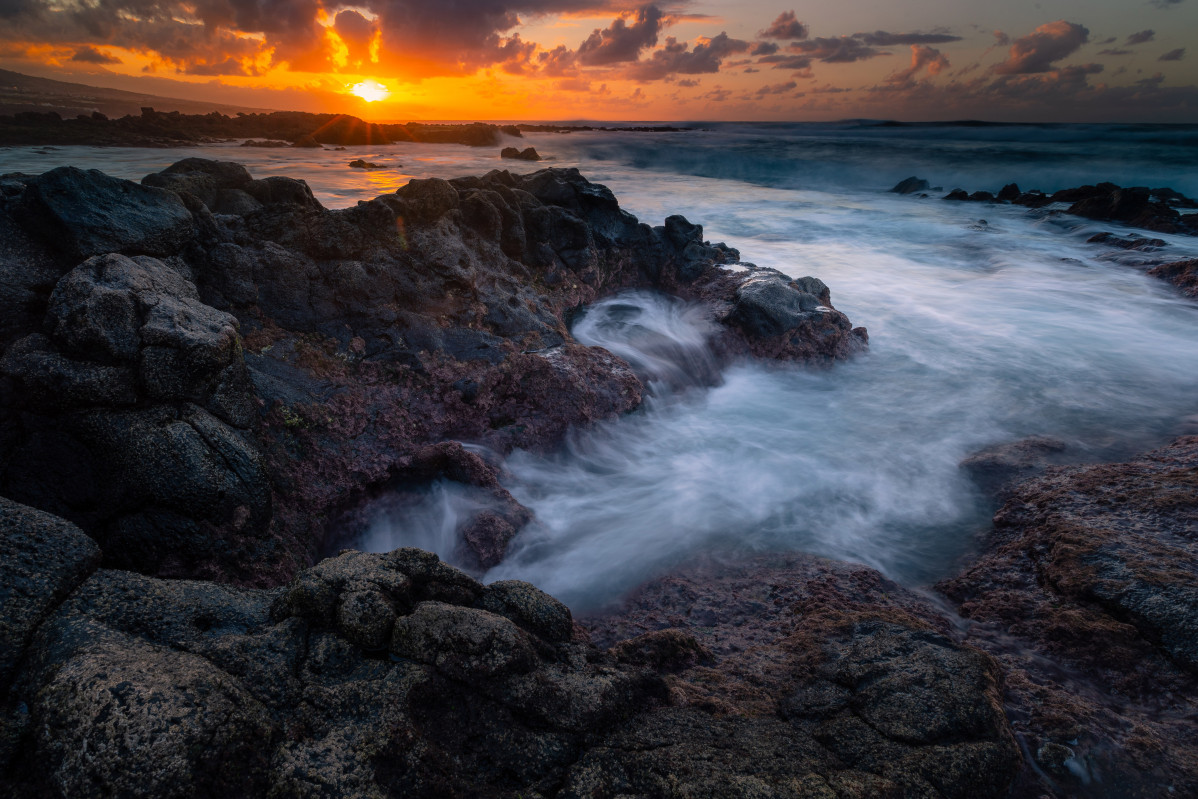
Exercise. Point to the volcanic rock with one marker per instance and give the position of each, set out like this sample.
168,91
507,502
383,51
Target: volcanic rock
1086,593
911,185
527,154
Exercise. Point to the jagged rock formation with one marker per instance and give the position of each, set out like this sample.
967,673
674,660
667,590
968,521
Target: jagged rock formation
394,674
209,373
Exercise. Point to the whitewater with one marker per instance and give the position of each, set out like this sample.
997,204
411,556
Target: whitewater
987,323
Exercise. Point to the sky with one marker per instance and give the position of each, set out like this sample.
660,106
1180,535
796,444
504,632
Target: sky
559,60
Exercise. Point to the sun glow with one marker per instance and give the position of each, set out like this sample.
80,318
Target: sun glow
370,90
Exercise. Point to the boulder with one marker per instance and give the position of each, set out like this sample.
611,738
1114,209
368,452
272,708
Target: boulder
911,185
86,213
527,154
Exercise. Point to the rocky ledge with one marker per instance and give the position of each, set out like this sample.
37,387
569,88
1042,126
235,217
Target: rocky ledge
210,374
396,675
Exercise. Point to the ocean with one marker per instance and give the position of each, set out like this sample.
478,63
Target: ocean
987,323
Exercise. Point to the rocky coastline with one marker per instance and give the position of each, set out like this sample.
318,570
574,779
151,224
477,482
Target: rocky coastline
153,128
204,379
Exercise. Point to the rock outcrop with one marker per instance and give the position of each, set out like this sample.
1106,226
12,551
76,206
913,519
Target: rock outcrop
1087,594
395,674
209,373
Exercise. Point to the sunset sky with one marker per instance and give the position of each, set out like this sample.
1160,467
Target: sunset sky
1052,60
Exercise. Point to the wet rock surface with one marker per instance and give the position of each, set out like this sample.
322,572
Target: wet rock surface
211,373
395,674
1086,593
1161,209
806,677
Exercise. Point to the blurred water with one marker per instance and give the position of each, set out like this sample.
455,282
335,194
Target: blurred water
980,333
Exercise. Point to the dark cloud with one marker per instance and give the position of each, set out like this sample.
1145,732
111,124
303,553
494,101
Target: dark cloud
1109,40
1174,55
90,55
886,39
1114,52
1001,39
557,62
785,27
10,9
1037,51
842,50
718,95
777,88
1140,38
1165,3
357,32
688,83
622,42
764,48
786,61
676,59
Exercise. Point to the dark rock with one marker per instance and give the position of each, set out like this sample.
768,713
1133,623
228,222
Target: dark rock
88,213
800,672
527,154
306,141
428,199
1086,593
1009,193
1126,243
42,560
274,143
982,196
997,467
957,194
200,177
1183,274
530,608
911,185
358,163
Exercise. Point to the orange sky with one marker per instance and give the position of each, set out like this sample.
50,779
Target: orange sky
604,59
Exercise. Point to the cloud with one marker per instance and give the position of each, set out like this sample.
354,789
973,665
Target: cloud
786,61
842,50
1114,52
764,48
922,58
1037,51
675,58
785,27
1140,38
885,39
621,42
777,88
1165,3
688,83
1001,39
1174,55
90,55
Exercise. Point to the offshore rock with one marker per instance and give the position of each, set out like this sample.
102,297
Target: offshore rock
1183,274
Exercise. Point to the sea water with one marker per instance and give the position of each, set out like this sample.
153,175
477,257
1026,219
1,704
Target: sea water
987,323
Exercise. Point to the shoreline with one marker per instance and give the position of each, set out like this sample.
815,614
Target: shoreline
241,368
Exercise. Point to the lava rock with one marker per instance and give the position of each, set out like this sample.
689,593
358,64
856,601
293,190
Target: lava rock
911,185
86,213
527,154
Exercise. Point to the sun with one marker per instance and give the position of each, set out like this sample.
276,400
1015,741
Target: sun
370,90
